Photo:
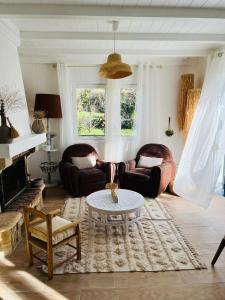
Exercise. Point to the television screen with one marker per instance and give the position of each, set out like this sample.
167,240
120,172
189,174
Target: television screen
13,181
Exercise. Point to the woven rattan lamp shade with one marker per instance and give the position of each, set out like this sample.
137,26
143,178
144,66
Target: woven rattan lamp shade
115,68
50,104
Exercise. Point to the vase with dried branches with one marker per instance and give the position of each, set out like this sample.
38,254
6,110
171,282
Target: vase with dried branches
5,131
11,101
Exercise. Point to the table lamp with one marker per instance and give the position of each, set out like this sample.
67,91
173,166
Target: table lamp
52,107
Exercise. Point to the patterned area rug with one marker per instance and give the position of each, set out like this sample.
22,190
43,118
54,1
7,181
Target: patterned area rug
153,244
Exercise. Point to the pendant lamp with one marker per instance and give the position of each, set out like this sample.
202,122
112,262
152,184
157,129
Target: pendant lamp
114,68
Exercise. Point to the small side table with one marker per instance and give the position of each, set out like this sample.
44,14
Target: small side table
49,167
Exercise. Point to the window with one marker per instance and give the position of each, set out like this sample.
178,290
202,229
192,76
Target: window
91,111
127,102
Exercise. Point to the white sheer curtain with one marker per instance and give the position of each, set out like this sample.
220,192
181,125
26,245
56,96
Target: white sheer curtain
199,173
113,147
67,135
145,125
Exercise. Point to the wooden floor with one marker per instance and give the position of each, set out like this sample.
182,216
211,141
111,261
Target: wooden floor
203,228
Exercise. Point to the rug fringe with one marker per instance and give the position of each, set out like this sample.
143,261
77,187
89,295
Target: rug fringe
188,244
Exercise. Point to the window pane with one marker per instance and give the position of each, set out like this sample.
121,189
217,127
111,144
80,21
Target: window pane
127,100
91,111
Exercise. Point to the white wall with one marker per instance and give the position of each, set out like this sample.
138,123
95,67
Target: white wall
168,80
42,78
10,74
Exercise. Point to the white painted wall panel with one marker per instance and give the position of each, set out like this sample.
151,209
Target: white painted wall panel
11,78
40,78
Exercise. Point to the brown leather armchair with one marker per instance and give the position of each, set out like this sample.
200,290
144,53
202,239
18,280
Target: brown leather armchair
82,182
149,182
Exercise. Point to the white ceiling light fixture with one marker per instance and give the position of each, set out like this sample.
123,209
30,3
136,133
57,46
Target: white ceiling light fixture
114,68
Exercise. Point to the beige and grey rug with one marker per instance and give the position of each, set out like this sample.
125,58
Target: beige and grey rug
154,244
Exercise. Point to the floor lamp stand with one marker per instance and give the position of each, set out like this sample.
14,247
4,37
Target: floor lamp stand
49,167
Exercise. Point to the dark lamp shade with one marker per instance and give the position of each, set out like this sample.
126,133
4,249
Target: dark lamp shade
50,104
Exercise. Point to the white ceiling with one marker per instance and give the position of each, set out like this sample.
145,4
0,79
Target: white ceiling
174,3
146,27
159,25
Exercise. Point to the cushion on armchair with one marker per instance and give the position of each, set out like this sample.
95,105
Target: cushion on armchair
149,162
84,162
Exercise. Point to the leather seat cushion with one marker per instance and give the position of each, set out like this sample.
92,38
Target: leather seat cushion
138,174
91,175
144,171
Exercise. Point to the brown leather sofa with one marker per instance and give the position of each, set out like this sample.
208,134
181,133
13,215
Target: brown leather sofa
82,182
148,181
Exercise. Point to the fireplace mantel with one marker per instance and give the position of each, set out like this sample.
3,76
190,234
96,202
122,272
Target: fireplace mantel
21,144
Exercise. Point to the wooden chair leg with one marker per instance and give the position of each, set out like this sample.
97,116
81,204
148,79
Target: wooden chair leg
218,252
78,243
50,263
28,236
30,253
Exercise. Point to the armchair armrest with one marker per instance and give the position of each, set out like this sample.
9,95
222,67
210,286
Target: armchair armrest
126,166
108,168
166,172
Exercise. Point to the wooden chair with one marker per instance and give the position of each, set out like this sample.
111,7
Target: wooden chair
46,231
218,252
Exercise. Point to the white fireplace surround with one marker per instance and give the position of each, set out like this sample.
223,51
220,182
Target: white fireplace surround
21,144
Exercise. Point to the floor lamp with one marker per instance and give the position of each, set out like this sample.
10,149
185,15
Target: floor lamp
51,105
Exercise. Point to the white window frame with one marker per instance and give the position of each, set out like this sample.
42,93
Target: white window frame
86,137
92,137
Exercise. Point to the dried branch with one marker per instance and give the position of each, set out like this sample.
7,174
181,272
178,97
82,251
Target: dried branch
13,99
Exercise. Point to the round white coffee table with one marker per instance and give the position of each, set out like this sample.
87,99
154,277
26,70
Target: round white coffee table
102,210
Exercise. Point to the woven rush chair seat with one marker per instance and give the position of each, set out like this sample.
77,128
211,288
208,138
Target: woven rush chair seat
61,230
